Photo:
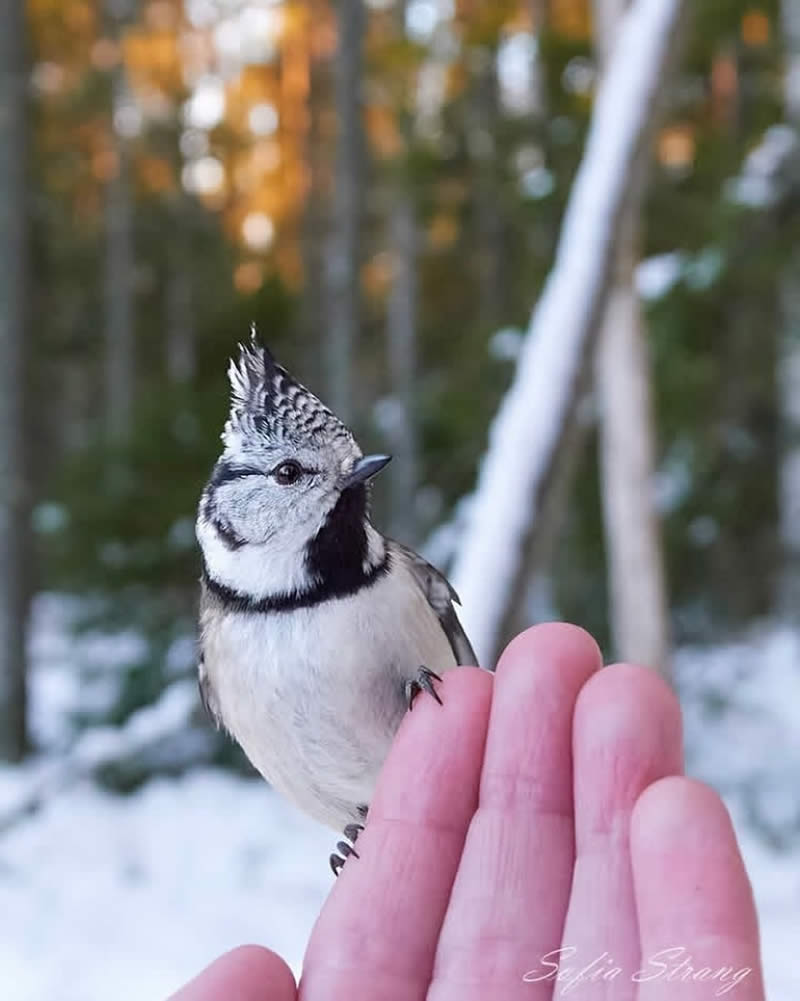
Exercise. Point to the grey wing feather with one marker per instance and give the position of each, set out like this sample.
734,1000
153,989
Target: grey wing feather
441,596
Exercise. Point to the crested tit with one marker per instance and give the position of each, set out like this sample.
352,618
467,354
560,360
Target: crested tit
316,631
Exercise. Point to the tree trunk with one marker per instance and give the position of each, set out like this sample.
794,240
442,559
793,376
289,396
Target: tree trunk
490,229
539,100
312,318
342,265
119,265
528,431
14,491
639,613
637,583
789,354
179,306
790,15
401,334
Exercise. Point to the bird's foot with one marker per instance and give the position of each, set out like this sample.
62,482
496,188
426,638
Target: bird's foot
422,683
345,848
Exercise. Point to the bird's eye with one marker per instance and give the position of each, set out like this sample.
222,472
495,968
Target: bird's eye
287,473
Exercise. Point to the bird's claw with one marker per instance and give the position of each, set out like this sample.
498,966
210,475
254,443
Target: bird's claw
422,683
345,848
352,831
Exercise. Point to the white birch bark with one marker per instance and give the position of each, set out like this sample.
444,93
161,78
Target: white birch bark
635,561
528,430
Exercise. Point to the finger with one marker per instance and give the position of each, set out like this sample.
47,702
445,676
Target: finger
511,892
376,936
249,973
626,735
697,919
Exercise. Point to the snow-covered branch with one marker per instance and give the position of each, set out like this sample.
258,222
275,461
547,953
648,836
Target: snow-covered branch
527,431
102,747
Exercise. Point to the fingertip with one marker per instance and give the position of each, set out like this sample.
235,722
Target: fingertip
465,696
619,701
431,776
627,733
682,819
690,880
247,973
666,807
559,642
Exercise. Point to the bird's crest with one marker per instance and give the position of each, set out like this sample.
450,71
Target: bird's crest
268,402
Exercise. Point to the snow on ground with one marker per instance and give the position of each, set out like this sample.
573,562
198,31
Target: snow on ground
103,896
128,896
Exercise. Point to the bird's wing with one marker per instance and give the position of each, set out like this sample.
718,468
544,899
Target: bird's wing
441,596
207,694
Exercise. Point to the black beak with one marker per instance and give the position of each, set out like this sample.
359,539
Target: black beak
365,469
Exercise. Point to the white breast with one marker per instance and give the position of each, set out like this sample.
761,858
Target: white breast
314,696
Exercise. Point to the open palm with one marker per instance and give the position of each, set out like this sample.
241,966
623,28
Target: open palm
539,816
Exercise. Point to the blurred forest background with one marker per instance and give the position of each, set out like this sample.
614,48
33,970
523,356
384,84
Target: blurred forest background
379,186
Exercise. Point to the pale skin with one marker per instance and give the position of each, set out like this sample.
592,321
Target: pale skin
540,808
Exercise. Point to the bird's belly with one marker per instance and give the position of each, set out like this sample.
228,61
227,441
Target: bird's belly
315,696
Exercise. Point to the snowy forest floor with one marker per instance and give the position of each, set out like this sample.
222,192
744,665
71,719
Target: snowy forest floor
104,895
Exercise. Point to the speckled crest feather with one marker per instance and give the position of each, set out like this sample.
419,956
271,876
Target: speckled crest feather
267,402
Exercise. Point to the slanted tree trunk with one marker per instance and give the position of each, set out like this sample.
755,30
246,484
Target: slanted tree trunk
789,352
639,614
14,500
528,432
342,264
534,597
119,265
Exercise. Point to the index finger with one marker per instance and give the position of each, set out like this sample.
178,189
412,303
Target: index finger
376,936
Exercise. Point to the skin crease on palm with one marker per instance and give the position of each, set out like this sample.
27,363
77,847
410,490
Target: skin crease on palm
542,808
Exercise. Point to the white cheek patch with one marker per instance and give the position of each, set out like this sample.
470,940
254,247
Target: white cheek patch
258,570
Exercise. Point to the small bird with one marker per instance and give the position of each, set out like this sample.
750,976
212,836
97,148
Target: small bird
316,631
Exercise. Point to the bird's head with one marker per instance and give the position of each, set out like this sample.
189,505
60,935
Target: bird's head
289,467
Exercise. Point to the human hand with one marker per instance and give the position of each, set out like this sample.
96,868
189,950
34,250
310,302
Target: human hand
539,809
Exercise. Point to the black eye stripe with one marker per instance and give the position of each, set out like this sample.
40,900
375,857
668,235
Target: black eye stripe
227,472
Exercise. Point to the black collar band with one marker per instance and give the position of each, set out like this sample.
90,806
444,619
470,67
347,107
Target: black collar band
236,601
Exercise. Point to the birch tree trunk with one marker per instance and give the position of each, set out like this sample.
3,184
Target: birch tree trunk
342,265
528,431
634,555
788,380
14,503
